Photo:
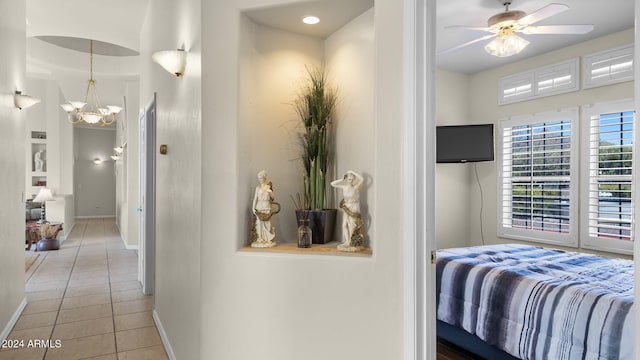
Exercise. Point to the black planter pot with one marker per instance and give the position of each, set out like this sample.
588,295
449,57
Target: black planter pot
48,244
321,222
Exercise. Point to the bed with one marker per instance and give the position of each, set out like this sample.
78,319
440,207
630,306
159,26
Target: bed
516,301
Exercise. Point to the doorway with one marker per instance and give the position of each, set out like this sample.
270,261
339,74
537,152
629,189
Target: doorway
147,209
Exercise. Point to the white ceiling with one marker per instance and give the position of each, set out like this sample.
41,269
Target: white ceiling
63,20
607,16
58,33
333,15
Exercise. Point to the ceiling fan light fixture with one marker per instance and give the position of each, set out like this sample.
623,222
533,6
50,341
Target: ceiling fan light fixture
505,19
505,45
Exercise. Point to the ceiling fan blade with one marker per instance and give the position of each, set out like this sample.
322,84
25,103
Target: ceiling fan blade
543,13
446,51
464,27
558,29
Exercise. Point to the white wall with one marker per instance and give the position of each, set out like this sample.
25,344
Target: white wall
12,176
485,109
95,194
36,120
126,168
453,181
129,230
273,64
170,24
49,117
275,59
65,146
62,210
288,306
349,58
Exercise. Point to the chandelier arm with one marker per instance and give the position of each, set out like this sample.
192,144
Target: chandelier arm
103,122
74,122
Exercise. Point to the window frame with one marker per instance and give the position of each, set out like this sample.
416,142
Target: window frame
588,82
586,240
532,78
569,239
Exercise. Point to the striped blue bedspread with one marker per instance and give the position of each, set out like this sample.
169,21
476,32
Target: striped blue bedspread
537,303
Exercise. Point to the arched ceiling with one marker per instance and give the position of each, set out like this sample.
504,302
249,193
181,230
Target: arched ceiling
113,21
84,45
58,34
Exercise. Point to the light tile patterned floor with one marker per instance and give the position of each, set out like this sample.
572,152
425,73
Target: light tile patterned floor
86,296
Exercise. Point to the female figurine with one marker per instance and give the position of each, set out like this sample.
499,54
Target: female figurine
352,232
262,209
39,163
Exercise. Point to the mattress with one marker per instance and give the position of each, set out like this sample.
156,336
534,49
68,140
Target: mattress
538,303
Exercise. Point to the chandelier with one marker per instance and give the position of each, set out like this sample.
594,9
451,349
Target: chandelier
91,110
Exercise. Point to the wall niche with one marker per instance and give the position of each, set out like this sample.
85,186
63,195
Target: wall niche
276,49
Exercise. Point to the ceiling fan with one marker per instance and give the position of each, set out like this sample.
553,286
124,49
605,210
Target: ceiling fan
504,26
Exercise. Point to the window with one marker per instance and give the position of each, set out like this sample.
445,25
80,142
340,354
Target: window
608,67
516,88
558,78
544,81
538,165
607,219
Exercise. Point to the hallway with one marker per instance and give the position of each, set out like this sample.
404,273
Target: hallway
85,297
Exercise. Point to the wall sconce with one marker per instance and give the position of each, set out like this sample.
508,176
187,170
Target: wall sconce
24,101
119,149
97,161
174,61
115,157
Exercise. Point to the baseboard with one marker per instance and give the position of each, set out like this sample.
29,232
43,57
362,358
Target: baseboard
65,236
96,217
13,320
163,336
129,247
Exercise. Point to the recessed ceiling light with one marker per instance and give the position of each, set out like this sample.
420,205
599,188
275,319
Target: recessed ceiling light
310,20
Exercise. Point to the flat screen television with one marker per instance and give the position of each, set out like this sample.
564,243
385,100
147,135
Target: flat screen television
464,143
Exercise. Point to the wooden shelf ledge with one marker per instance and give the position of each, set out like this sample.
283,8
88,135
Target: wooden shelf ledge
315,249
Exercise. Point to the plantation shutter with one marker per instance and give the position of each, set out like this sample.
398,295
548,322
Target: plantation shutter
608,67
610,186
516,88
537,184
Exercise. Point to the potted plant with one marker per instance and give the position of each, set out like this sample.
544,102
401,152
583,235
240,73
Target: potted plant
48,237
315,107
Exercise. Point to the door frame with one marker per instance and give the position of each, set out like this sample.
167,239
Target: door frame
147,208
419,180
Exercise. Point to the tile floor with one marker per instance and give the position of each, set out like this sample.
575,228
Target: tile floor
85,297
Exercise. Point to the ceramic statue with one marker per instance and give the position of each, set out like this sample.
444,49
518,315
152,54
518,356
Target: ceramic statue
38,161
264,208
352,231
